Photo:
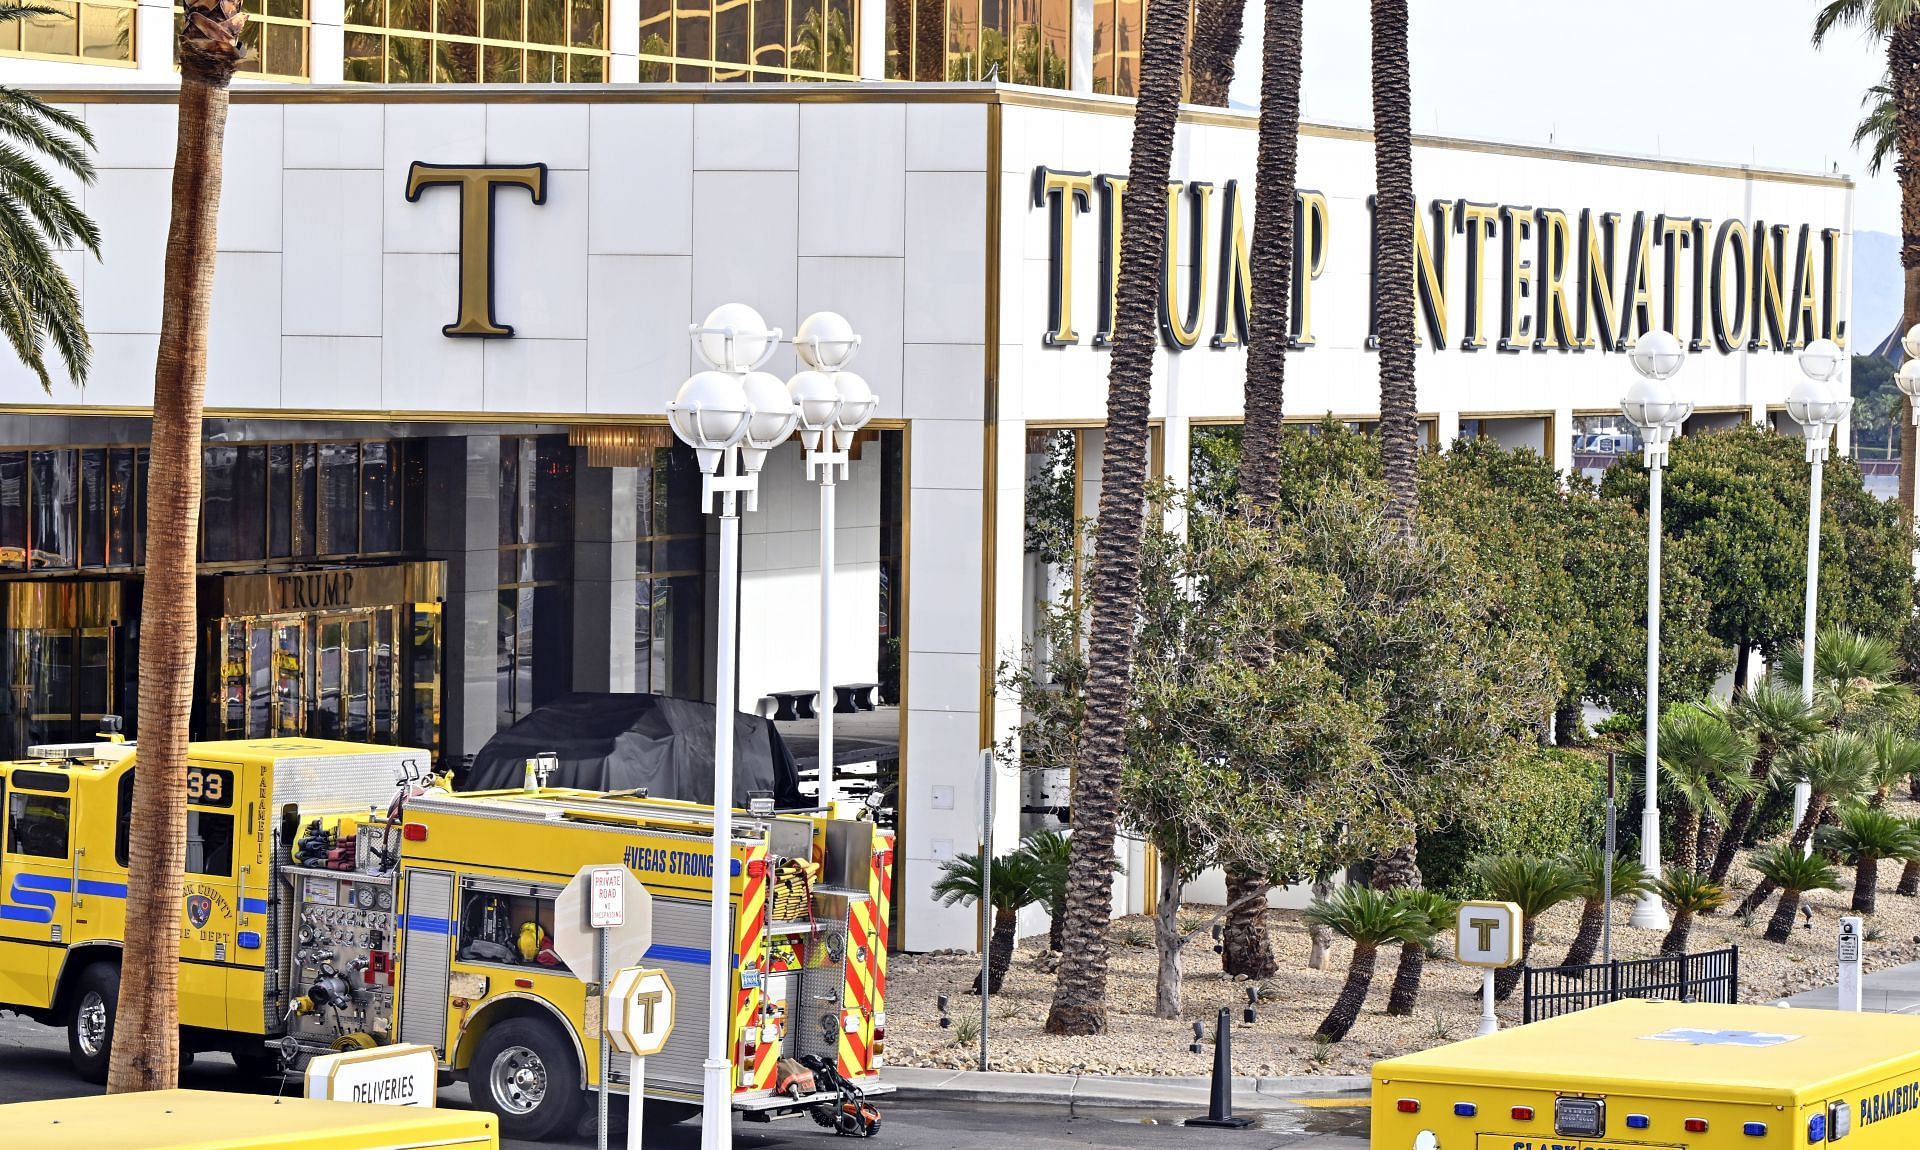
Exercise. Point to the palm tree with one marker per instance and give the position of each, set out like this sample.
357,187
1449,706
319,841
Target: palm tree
1898,23
1780,721
1855,676
1393,254
1880,127
1370,918
1794,873
1896,759
1436,913
1016,882
1080,994
146,1047
1629,880
1838,766
38,303
1689,893
1245,948
1536,886
1864,836
1909,884
1050,851
1702,758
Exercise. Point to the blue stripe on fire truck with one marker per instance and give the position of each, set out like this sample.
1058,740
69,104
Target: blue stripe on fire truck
30,899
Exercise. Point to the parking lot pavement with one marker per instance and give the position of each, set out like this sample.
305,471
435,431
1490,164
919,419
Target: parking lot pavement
33,1064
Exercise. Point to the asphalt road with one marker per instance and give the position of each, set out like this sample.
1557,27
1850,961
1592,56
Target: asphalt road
33,1064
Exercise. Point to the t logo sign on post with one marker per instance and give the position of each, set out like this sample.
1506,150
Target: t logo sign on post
639,1019
1487,935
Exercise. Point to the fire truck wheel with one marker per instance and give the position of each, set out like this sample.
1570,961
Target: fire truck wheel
90,1026
524,1072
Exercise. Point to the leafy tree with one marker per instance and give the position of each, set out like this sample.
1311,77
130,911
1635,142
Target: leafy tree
1630,879
1536,886
1690,894
1794,874
1863,836
1735,512
1877,406
1079,1000
1015,886
1437,913
1370,919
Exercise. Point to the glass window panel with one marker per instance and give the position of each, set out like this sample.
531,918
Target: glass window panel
217,502
408,60
286,50
589,24
37,825
551,642
552,563
506,645
503,65
693,30
56,493
546,67
305,502
106,33
413,496
840,29
458,17
585,69
10,36
509,489
546,22
1055,31
899,37
692,74
54,32
287,9
13,509
366,54
770,33
366,13
503,20
679,554
410,15
326,716
730,31
253,37
120,507
456,63
279,500
643,635
209,844
656,28
140,467
552,503
1126,48
379,499
804,30
250,507
93,507
339,498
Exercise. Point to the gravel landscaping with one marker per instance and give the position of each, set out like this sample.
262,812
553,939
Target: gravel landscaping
1295,1000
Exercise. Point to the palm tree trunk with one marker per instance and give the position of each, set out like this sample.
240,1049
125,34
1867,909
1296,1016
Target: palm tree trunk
1676,940
1320,938
1056,926
1000,948
1406,980
1909,879
1816,807
1508,977
1903,72
1393,235
1167,940
146,1047
1593,916
1080,992
1755,897
1866,876
1216,42
1245,947
1730,842
1271,255
1353,995
1780,926
1685,839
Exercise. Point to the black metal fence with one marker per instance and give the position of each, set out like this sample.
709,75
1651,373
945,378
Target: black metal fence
1710,976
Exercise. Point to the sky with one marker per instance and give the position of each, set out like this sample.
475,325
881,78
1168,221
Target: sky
1735,81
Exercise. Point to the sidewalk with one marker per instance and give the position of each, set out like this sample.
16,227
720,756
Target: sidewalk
1895,990
1273,1093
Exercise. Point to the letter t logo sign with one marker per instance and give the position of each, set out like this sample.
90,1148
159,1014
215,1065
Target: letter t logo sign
1483,929
476,186
647,1002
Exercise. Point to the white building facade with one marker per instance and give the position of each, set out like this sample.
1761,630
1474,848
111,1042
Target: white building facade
489,290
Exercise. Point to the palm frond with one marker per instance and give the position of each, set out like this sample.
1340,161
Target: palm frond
1367,916
1792,870
1837,14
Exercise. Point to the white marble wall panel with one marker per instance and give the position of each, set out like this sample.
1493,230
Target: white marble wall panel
852,179
332,265
335,135
638,209
245,344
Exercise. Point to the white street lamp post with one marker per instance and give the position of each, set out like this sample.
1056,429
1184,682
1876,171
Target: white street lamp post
1650,405
731,415
833,404
1815,407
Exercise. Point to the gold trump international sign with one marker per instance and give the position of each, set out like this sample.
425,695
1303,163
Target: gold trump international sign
1562,281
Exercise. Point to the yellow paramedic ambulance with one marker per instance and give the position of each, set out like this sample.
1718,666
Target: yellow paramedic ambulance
207,1120
1642,1074
335,899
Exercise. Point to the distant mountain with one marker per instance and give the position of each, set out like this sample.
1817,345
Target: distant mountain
1877,289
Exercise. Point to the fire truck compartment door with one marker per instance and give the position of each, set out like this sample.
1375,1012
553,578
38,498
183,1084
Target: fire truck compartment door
426,957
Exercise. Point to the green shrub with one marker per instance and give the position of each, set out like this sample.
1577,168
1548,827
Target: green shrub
1540,804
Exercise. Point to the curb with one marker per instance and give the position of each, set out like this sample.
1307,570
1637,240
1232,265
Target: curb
917,1084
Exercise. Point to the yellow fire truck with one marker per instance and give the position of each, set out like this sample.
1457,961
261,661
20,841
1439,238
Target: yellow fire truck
334,900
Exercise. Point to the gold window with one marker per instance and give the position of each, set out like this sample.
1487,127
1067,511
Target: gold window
476,41
1016,41
700,41
276,39
94,32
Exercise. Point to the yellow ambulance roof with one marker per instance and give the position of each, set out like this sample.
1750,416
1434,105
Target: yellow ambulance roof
1660,1049
210,1120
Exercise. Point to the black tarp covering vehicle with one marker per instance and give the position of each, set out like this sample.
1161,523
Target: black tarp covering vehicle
617,742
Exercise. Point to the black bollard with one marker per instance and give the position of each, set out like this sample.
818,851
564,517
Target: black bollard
1220,1105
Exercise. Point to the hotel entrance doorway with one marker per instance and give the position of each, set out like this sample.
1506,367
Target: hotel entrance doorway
62,658
345,653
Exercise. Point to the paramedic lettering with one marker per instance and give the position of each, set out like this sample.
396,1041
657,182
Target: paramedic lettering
653,860
1889,1103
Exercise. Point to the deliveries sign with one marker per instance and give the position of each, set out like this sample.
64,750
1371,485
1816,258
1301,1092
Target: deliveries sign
405,1075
